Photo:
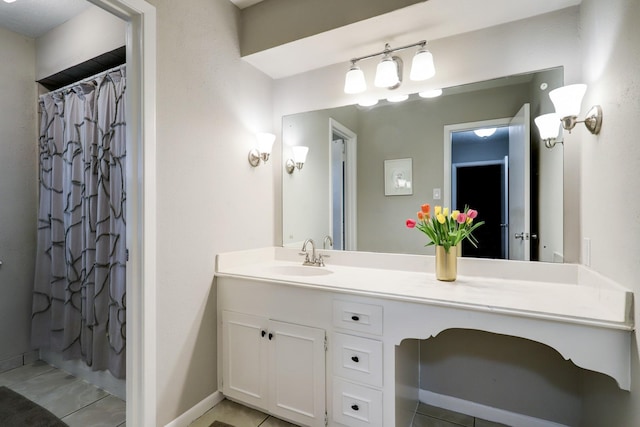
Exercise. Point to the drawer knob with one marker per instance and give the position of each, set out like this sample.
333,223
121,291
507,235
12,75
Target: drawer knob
263,333
355,359
270,336
355,407
355,318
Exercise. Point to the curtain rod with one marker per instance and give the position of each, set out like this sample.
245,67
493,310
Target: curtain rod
86,80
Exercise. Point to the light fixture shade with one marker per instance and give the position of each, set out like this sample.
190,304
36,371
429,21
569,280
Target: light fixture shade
567,100
387,73
300,153
548,125
422,67
368,102
354,82
265,142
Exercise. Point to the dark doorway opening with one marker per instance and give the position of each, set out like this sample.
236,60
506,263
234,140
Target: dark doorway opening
481,187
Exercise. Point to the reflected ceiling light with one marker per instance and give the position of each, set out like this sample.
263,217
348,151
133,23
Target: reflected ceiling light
398,98
485,132
549,127
567,101
390,69
354,81
369,102
298,160
262,152
9,1
432,93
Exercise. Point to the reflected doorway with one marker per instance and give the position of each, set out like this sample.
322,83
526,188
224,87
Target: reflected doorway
344,195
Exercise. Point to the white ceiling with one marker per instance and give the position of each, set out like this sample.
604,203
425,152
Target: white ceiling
33,18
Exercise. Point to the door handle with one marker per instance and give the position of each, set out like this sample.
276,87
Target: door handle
519,236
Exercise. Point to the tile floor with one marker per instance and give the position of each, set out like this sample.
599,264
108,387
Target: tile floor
241,416
74,401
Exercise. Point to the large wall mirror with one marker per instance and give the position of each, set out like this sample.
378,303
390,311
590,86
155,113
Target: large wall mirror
368,169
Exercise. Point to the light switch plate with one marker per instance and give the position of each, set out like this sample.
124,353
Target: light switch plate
437,194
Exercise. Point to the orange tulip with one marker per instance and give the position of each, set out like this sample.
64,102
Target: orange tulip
426,208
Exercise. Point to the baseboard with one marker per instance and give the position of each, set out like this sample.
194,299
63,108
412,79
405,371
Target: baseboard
198,410
483,411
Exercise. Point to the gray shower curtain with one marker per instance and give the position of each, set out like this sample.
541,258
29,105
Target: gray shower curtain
79,297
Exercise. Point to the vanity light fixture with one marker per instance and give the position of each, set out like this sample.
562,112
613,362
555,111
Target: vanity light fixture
549,127
567,101
299,157
262,152
389,70
398,97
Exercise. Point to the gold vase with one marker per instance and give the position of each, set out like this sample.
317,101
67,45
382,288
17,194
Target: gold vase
446,264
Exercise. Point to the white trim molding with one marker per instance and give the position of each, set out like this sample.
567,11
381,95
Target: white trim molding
198,410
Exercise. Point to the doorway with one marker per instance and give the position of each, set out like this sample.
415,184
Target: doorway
343,198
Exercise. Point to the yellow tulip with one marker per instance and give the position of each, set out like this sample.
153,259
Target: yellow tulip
438,210
469,220
445,212
441,218
455,214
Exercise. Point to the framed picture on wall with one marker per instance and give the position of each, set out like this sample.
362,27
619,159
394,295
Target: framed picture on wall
398,177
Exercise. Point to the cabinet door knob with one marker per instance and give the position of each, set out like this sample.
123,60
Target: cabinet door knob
355,318
263,333
355,359
270,336
355,407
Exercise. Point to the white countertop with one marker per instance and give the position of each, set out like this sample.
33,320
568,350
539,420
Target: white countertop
560,292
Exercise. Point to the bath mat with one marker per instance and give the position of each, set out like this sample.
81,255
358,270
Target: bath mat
18,411
220,424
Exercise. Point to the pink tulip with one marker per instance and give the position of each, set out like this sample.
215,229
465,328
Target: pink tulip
472,213
411,223
461,218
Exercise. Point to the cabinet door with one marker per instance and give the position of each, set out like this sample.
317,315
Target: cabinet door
245,358
297,373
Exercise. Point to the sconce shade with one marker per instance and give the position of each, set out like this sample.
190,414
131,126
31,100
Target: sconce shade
567,100
300,153
354,81
387,73
422,67
265,142
398,97
548,125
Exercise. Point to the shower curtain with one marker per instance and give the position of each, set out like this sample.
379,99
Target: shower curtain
79,298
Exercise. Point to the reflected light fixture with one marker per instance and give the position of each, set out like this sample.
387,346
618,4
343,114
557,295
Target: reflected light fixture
549,127
485,132
9,1
399,97
567,101
431,93
298,160
390,69
262,152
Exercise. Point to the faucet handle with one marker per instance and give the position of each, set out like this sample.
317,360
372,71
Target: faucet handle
306,255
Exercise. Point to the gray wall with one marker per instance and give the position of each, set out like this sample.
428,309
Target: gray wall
18,194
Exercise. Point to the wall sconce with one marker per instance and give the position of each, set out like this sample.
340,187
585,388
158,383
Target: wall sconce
389,70
299,157
549,127
262,152
567,101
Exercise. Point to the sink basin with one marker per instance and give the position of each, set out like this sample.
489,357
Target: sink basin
300,270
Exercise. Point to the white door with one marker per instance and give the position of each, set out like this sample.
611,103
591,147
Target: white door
297,373
337,192
245,358
519,185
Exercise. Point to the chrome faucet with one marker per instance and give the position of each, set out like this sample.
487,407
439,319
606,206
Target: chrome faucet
316,261
324,242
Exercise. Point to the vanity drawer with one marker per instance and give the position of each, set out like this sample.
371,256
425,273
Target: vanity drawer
355,405
357,316
358,359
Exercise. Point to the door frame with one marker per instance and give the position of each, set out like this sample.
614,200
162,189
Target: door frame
141,206
459,127
350,183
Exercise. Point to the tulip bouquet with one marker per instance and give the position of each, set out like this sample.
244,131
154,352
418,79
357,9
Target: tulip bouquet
444,229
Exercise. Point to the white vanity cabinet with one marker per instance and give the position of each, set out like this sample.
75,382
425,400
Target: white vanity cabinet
275,366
